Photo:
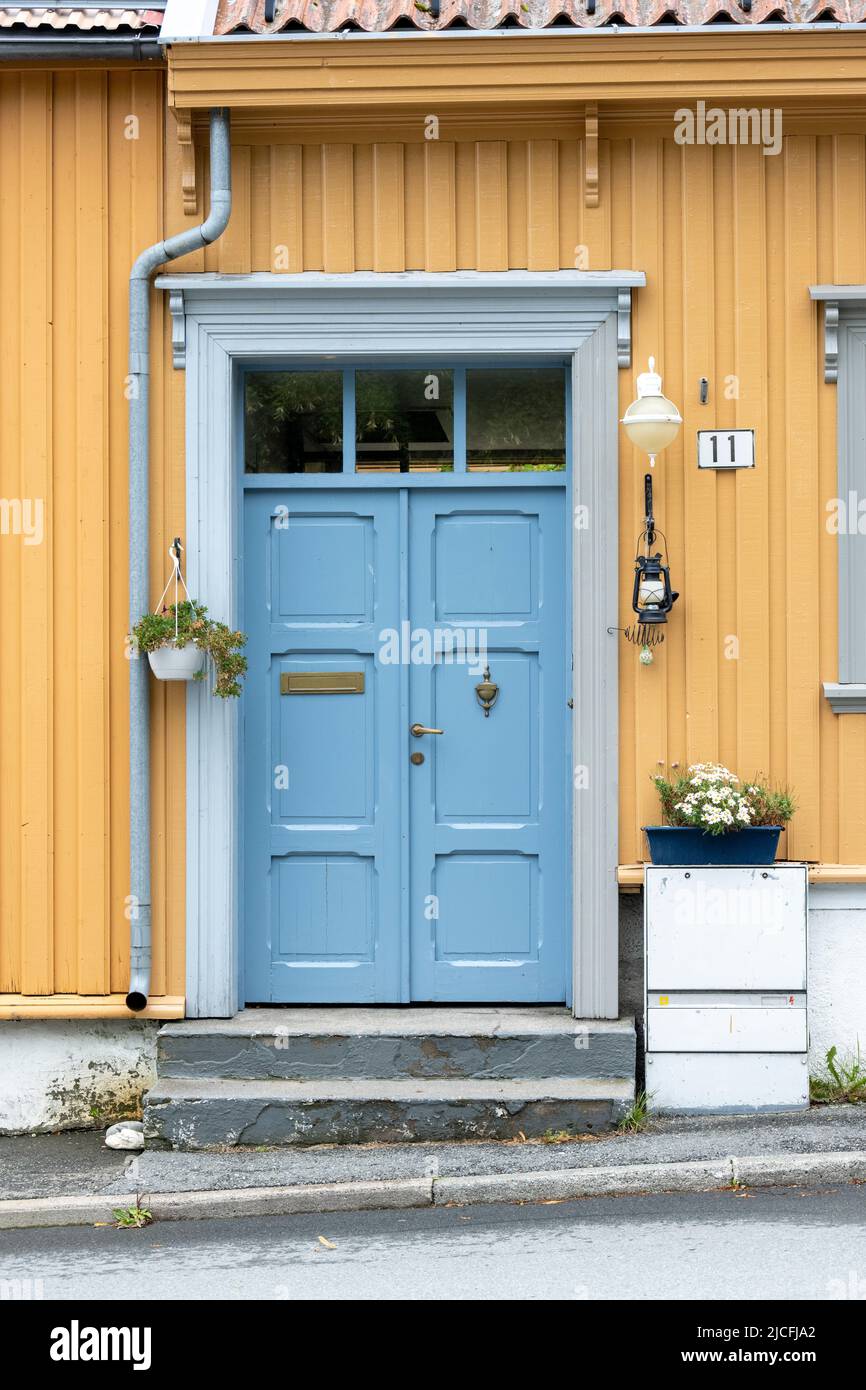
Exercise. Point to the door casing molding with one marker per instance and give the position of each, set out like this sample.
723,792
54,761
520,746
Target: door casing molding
222,321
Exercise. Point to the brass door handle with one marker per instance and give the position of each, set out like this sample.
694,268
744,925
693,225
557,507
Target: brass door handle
418,730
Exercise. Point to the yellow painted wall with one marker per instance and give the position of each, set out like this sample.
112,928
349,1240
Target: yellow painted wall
78,201
730,240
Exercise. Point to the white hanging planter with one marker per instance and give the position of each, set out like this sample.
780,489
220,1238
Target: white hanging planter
172,663
183,652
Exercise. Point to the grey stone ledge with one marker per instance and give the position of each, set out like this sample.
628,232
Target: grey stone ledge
849,698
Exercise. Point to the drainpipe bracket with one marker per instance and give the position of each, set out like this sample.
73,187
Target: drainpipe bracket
139,364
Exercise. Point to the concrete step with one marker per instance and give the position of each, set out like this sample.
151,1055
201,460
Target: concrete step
353,1043
183,1113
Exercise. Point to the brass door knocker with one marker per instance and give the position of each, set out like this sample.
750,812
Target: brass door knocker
487,692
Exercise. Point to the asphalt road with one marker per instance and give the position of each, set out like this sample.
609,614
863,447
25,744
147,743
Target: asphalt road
785,1243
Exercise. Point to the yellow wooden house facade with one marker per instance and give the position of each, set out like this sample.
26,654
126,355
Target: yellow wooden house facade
554,150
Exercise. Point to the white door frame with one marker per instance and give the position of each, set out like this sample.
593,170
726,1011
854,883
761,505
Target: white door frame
219,321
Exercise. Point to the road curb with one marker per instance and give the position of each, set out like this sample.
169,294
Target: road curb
91,1210
378,1195
760,1170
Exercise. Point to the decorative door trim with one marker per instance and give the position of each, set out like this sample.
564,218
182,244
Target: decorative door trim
222,321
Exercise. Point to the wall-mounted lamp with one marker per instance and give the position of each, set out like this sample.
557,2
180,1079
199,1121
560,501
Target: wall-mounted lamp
652,421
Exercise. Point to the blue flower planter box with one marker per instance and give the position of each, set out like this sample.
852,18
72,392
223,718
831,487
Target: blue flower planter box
671,844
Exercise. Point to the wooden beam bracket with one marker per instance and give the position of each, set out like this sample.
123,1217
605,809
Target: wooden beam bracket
188,188
590,164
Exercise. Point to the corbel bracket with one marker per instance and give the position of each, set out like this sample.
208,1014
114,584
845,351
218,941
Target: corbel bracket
178,329
831,340
189,191
590,163
623,327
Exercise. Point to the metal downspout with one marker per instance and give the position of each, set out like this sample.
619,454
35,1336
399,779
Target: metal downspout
139,910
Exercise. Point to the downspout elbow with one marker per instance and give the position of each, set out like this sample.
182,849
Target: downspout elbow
218,218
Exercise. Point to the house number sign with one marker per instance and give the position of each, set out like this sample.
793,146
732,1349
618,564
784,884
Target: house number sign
726,448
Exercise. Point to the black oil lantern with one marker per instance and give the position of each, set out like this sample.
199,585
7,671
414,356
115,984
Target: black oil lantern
652,595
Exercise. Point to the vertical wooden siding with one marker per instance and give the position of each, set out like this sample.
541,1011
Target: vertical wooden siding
80,199
730,240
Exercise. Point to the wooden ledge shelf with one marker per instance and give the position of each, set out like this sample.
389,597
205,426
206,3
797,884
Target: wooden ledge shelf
630,876
17,1006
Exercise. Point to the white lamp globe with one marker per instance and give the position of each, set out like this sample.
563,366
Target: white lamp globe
652,421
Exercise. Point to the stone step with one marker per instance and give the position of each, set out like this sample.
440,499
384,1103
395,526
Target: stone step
330,1043
207,1113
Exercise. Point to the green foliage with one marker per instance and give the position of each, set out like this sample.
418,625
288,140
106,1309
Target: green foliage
285,408
840,1080
219,642
712,799
636,1117
132,1217
516,413
515,418
558,1136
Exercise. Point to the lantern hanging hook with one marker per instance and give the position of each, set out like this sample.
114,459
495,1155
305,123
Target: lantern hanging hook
649,519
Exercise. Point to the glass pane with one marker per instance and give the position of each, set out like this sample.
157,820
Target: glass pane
293,422
405,422
515,419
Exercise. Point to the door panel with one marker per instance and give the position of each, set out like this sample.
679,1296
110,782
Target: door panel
323,814
354,892
488,805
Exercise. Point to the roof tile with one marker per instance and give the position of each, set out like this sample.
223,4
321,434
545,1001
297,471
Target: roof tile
325,16
64,17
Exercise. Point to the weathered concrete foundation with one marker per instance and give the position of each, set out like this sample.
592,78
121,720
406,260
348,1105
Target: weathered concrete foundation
73,1073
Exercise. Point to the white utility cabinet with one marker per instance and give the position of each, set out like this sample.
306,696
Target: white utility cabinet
725,972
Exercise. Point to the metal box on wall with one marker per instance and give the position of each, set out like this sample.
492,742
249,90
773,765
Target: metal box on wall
726,988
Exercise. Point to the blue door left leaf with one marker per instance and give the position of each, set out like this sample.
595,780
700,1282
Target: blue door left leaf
322,810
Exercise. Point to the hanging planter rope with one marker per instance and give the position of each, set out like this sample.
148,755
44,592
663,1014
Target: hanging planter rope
175,551
172,662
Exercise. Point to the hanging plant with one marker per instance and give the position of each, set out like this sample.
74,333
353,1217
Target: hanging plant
179,637
185,625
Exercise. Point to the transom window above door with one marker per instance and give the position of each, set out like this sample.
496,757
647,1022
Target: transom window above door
391,420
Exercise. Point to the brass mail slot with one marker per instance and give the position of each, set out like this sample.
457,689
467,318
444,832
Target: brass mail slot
322,683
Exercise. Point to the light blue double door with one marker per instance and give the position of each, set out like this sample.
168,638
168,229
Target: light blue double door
383,866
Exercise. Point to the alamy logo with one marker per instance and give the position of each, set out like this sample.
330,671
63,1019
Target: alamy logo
422,646
16,1290
758,907
23,516
734,126
77,1343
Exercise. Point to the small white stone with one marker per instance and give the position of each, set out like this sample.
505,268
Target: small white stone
128,1134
